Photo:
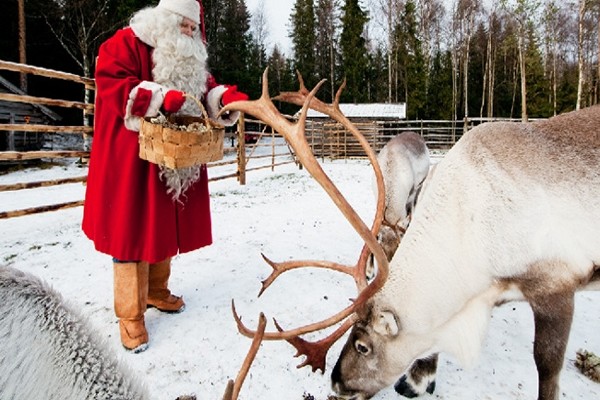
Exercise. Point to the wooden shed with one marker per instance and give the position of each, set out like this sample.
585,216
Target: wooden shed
378,122
22,113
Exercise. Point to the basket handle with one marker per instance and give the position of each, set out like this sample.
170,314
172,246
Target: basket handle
202,109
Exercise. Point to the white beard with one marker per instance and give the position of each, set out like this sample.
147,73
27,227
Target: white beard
179,63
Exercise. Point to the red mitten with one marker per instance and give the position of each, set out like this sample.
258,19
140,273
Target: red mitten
141,102
173,101
232,94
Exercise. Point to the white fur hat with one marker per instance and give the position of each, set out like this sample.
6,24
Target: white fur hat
187,8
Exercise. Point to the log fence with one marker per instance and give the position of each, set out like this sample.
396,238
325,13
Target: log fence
270,145
327,138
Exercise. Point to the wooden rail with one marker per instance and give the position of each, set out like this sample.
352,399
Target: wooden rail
327,138
38,184
239,165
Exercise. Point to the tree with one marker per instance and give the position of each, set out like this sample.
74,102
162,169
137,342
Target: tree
326,44
80,26
354,50
378,75
303,40
523,12
390,11
281,77
410,62
77,27
430,14
440,87
231,51
588,29
465,20
260,32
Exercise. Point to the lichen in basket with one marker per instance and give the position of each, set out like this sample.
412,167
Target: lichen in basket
194,127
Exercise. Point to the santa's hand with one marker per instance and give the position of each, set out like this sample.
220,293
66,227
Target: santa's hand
173,101
232,94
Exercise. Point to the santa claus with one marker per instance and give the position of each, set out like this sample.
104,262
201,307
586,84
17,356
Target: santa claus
135,211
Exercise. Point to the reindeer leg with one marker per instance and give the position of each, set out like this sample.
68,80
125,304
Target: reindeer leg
419,379
553,314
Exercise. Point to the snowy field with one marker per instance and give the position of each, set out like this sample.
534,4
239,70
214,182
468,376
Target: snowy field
285,215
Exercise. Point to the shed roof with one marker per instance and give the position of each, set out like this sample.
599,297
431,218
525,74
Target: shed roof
370,110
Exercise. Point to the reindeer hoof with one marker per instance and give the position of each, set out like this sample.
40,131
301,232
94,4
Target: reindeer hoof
431,387
403,388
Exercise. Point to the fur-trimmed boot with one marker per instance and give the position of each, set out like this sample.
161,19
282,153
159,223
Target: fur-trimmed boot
159,295
131,296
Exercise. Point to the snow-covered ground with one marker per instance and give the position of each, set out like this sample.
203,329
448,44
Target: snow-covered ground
285,215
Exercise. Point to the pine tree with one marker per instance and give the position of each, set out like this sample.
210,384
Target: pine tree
303,40
231,49
439,99
410,63
354,51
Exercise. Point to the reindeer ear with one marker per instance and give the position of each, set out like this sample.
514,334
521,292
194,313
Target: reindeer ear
385,324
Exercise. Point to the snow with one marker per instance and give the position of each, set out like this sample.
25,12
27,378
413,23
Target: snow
285,215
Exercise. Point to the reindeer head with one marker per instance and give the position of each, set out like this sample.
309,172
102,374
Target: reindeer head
371,359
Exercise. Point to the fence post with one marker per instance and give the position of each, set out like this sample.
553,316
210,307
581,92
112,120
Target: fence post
241,153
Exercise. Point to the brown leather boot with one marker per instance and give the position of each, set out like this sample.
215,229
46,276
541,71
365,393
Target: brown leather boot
159,296
131,294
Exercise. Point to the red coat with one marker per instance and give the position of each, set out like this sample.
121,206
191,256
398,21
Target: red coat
128,213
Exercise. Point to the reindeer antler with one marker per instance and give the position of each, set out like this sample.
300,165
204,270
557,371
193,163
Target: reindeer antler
264,110
232,389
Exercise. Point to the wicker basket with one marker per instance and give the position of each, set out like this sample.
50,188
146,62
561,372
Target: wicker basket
178,143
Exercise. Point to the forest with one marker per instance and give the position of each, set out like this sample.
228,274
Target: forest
446,59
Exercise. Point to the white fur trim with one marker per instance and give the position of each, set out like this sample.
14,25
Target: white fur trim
133,122
186,8
213,106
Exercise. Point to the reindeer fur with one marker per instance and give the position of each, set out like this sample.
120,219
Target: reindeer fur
50,351
511,213
405,163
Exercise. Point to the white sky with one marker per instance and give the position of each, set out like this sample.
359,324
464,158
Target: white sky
278,16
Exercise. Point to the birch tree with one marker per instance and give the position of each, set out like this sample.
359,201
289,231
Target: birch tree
389,10
580,65
464,18
588,47
524,13
327,16
259,29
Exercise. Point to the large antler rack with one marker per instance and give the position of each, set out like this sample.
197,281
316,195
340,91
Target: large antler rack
294,133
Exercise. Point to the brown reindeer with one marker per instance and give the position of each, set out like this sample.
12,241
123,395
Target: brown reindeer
511,213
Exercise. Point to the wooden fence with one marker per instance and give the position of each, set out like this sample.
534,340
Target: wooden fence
268,152
327,138
330,139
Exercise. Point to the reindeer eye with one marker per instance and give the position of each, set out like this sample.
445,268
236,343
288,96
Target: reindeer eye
361,348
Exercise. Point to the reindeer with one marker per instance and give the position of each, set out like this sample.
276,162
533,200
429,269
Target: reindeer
50,351
404,163
511,213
